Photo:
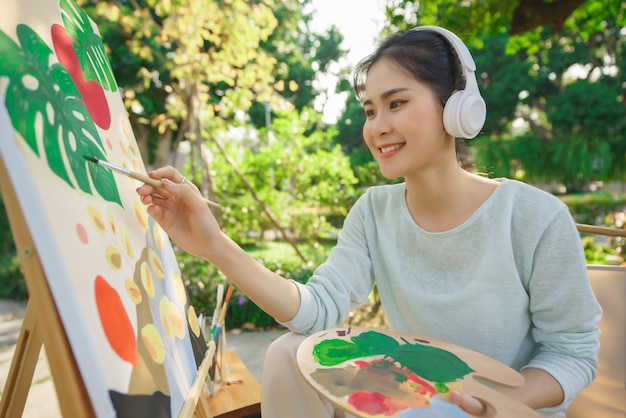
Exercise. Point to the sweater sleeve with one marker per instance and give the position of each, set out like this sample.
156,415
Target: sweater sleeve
341,283
564,310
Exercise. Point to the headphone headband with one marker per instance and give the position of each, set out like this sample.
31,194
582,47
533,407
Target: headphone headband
459,46
465,111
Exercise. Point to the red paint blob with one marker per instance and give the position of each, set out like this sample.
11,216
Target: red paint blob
115,322
82,233
372,403
92,93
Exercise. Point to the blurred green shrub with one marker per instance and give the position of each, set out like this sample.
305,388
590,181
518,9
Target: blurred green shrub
590,208
202,280
12,285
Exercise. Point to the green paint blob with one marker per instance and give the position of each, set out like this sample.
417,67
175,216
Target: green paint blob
442,387
428,362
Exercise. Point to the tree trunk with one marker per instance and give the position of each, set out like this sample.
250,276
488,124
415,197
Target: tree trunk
142,135
164,146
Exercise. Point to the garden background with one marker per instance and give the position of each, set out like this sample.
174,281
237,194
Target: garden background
232,92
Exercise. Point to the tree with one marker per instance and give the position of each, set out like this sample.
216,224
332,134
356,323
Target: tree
490,17
200,59
173,57
304,179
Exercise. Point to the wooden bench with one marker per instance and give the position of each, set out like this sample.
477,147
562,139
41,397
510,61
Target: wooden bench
239,399
606,396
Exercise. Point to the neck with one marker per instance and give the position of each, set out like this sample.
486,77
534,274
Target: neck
443,200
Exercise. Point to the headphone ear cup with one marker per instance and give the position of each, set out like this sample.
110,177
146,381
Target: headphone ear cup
464,114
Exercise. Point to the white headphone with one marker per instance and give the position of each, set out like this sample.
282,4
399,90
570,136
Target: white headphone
465,111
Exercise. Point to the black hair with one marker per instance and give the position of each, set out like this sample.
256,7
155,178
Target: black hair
426,55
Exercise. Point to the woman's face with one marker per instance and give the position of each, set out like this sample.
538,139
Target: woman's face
404,122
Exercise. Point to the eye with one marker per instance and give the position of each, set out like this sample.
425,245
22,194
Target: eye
369,112
396,103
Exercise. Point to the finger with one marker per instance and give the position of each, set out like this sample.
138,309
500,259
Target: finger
190,195
156,213
467,403
167,172
148,193
145,190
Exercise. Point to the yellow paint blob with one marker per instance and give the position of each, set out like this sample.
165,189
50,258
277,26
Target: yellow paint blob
154,343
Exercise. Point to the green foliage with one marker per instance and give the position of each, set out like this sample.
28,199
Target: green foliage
592,208
245,313
595,253
202,280
301,180
12,284
301,55
502,78
566,129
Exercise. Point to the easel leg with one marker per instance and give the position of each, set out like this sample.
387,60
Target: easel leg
22,367
203,410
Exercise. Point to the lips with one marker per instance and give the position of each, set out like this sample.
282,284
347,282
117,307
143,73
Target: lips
390,148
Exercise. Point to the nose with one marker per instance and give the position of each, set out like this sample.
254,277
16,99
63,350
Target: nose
379,124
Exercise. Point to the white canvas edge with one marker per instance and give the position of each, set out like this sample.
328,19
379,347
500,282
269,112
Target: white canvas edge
62,292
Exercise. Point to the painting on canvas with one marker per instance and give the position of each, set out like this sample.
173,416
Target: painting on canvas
110,267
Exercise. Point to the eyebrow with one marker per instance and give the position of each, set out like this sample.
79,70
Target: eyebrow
386,95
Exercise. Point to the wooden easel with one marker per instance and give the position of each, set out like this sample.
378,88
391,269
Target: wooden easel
42,325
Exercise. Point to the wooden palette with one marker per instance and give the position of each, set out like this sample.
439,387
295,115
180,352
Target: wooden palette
383,373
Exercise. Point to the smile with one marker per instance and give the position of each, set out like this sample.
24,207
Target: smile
390,148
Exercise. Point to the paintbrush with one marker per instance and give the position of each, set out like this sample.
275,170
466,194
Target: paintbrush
220,319
218,304
216,336
137,176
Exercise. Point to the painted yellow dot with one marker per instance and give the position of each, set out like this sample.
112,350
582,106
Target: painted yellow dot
179,287
128,246
96,218
172,320
193,321
158,234
133,291
155,263
112,222
141,214
114,257
146,279
154,343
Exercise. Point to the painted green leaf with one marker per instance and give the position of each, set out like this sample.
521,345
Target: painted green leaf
46,108
89,47
429,362
336,351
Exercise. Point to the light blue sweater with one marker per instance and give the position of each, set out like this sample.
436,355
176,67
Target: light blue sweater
510,282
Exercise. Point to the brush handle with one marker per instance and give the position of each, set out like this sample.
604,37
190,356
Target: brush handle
138,176
159,183
145,179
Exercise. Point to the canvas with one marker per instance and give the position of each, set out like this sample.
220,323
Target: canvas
111,269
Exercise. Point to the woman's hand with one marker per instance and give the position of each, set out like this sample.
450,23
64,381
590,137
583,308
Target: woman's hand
182,212
468,403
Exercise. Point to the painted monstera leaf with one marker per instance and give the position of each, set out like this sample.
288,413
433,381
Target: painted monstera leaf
88,46
430,362
47,109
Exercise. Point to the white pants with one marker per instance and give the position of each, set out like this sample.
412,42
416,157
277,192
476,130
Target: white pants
285,393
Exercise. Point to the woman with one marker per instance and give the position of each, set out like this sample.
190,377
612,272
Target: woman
492,265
